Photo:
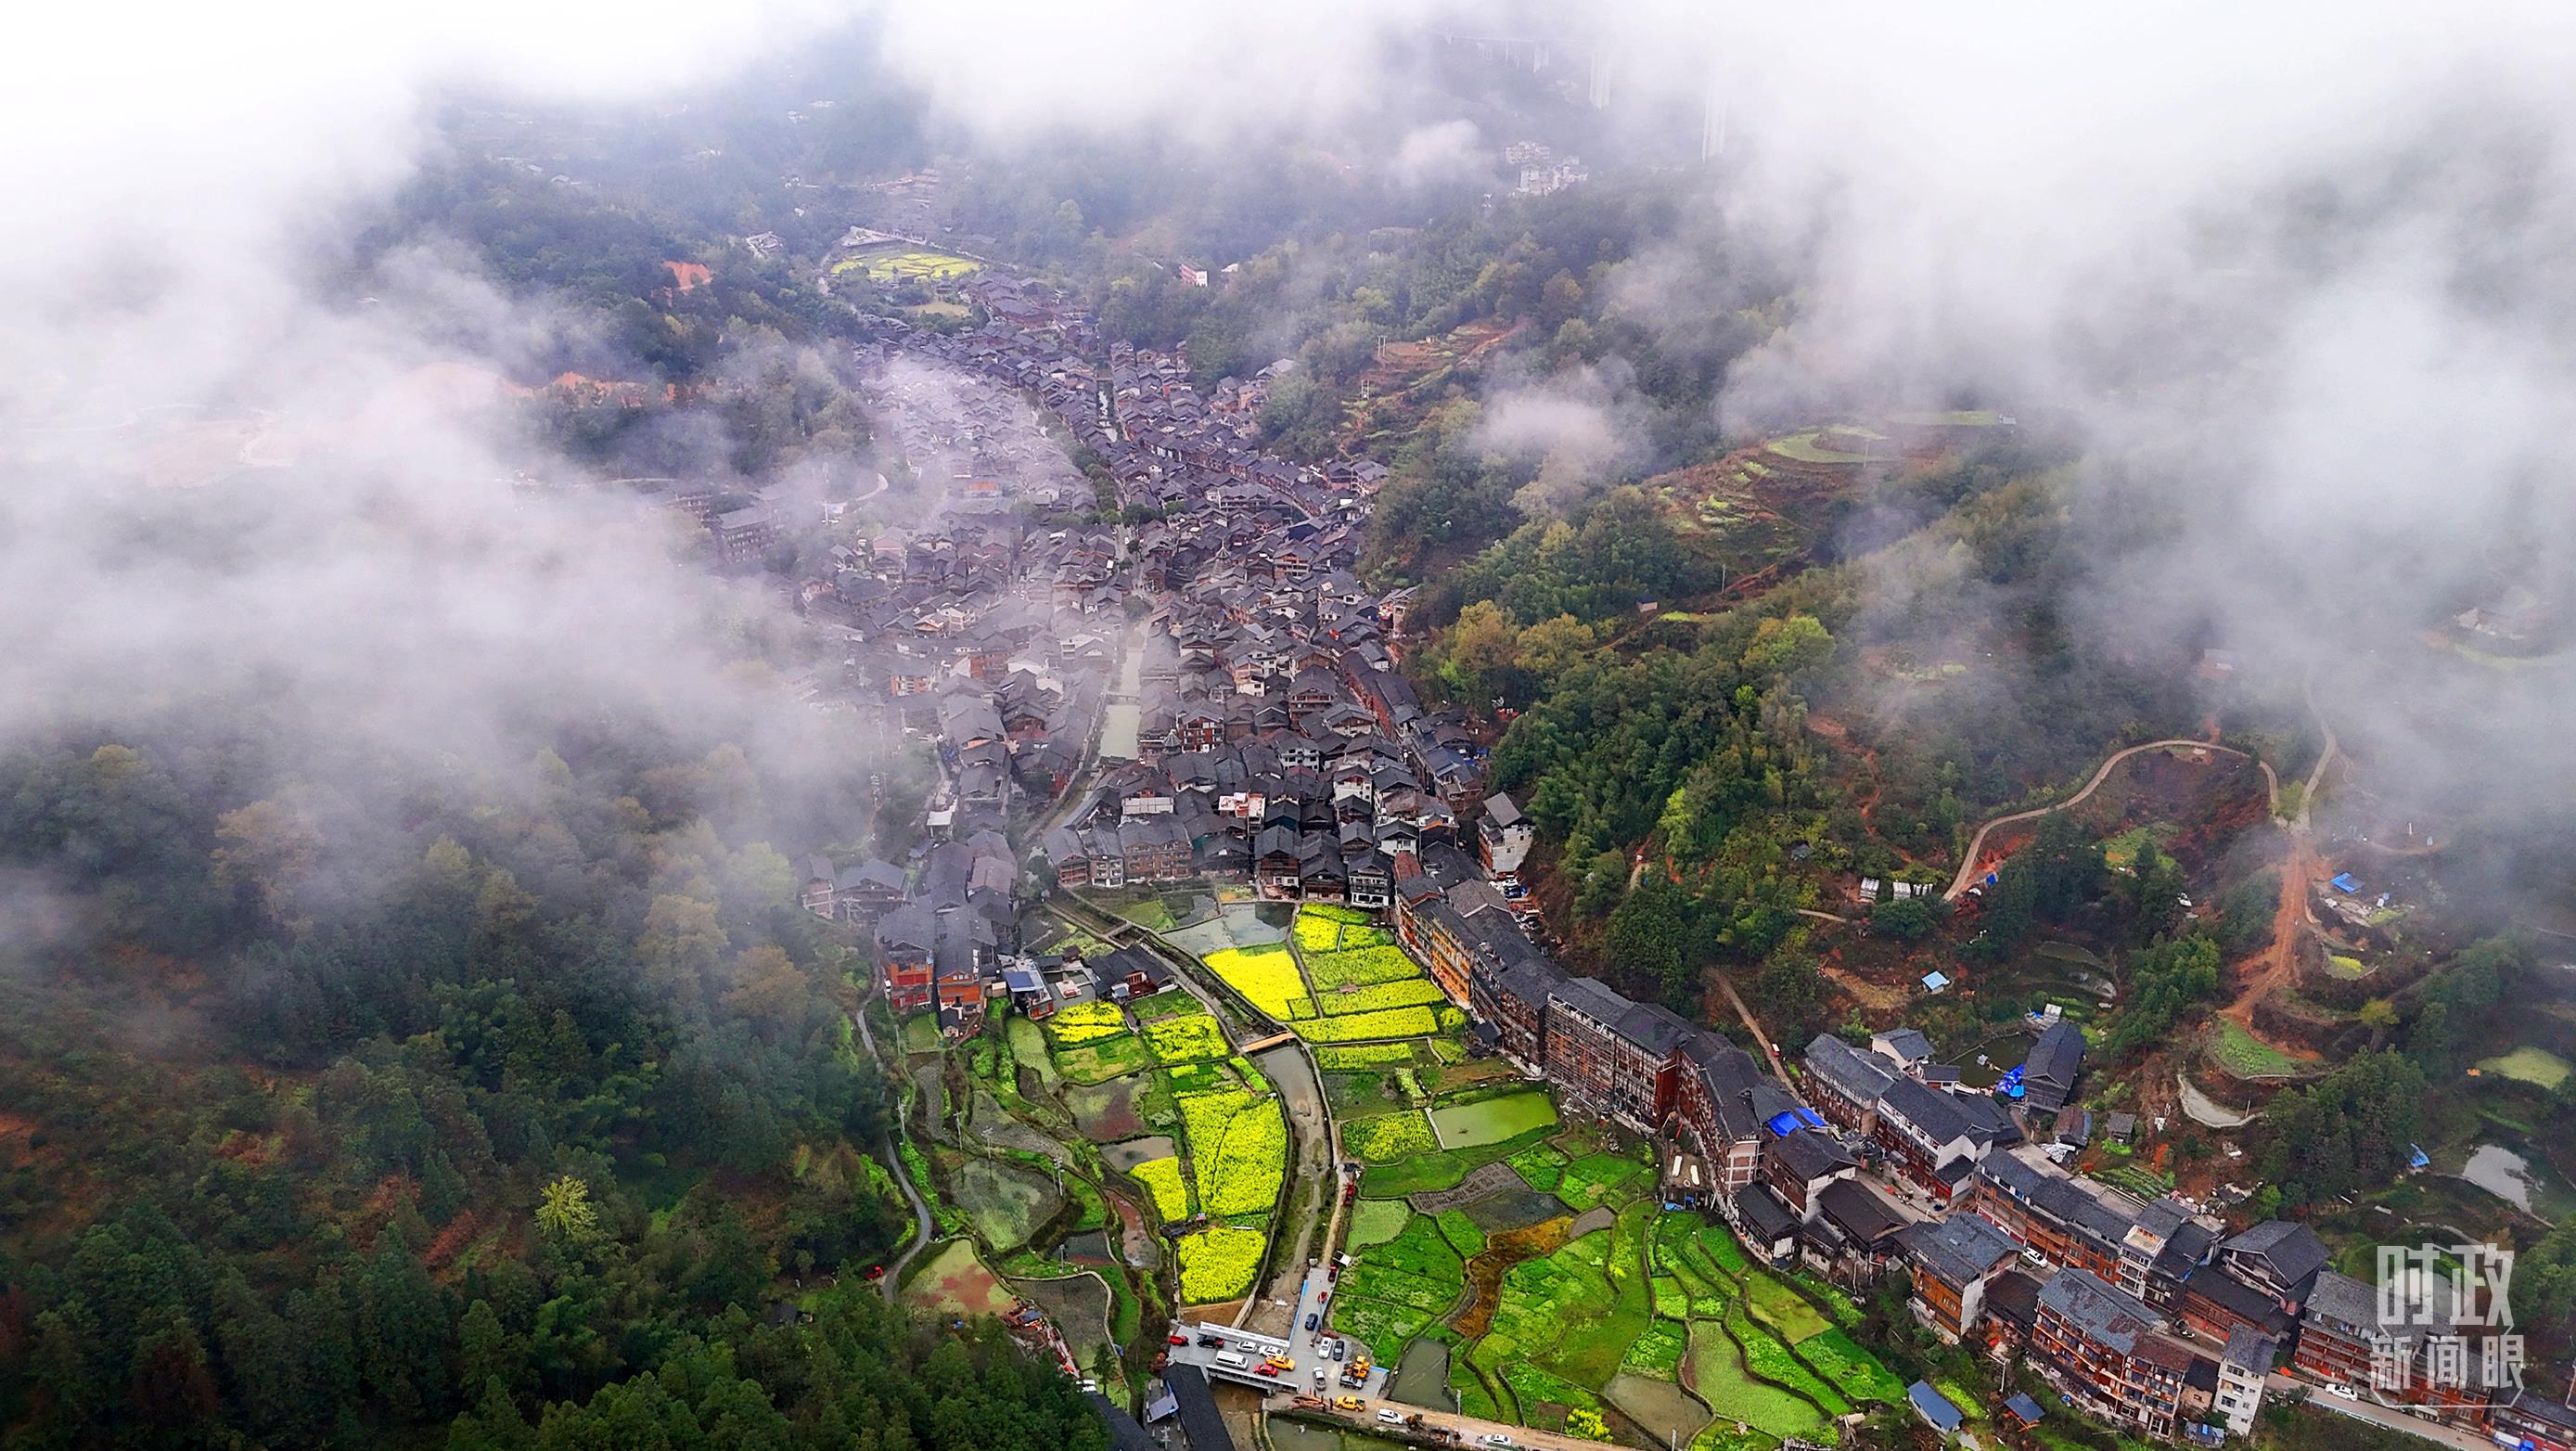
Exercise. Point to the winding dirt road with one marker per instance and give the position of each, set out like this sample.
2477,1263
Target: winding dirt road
1968,865
923,1230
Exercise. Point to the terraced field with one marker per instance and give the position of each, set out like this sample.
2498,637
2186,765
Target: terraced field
1658,1321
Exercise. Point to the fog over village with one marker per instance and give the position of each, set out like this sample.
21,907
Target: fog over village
853,723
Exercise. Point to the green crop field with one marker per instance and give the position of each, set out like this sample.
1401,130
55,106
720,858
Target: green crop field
1658,1352
1397,1289
1331,912
1375,1221
1461,1233
2247,1056
1804,448
1609,1320
1780,1308
2120,853
898,262
1103,1059
1721,1380
1767,1357
1388,1137
1238,1149
2530,1065
1542,1165
1596,1179
1852,1370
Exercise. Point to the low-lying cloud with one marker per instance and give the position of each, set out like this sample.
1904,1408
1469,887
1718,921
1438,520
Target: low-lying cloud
233,480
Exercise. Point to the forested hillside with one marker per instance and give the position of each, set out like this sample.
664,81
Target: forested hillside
331,1108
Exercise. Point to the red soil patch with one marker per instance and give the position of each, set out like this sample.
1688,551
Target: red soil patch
451,1241
970,1289
2276,968
250,1149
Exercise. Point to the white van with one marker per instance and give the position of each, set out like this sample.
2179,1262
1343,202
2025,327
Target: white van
1231,1359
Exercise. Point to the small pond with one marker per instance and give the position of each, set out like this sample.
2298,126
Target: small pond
1236,924
2518,1176
1129,1153
2003,1053
1422,1377
1288,1435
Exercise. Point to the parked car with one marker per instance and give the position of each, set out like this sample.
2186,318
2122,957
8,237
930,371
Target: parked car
1391,1418
1312,1320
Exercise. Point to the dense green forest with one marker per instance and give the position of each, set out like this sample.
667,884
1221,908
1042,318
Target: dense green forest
338,1106
590,275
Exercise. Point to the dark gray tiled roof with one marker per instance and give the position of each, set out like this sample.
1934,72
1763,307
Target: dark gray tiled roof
2250,1349
1655,1028
1937,1114
1762,1211
1958,1249
2292,1250
2105,1313
1858,1210
1809,1156
1201,1423
1857,1075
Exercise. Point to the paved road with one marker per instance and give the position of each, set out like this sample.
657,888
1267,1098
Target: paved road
1470,1431
2325,756
2383,1416
922,1227
1976,846
1310,1128
1308,1353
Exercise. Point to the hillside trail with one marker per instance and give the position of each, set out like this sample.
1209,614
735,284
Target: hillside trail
2277,968
1969,863
924,1228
